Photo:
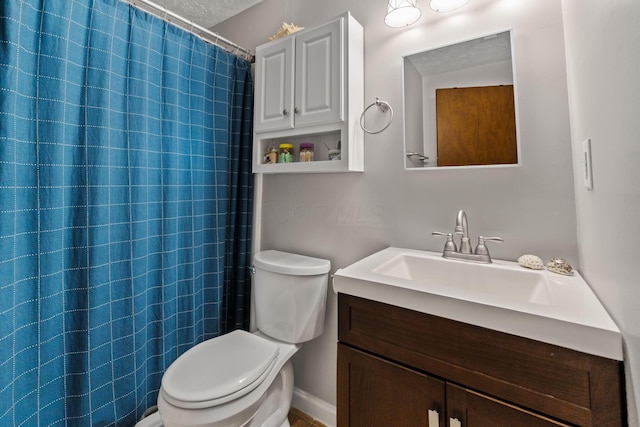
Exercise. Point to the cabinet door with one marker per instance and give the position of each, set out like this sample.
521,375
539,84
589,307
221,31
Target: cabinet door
373,392
319,74
274,86
466,408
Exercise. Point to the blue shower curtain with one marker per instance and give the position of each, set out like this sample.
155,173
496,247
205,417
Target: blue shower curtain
125,206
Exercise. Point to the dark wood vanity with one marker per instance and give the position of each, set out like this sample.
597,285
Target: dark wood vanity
399,367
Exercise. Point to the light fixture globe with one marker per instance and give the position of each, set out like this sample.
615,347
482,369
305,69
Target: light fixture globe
447,5
401,13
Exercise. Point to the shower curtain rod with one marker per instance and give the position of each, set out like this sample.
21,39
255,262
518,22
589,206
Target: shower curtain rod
188,25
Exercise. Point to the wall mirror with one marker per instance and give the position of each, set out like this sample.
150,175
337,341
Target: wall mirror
460,105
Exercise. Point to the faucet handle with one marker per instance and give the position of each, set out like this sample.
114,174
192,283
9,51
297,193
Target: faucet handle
481,249
450,245
492,239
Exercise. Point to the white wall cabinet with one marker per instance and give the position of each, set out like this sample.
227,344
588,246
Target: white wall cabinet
299,80
309,88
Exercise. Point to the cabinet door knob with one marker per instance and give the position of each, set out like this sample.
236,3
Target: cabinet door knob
454,422
296,110
285,112
434,418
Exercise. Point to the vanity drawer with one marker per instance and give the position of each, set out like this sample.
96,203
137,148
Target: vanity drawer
565,384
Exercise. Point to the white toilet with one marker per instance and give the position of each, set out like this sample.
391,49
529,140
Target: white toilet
242,378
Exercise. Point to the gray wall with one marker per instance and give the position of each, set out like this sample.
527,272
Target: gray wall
603,65
344,217
414,135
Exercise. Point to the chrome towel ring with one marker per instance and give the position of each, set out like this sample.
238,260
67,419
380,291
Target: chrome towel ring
384,107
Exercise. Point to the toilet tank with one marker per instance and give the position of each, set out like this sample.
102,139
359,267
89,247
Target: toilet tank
290,293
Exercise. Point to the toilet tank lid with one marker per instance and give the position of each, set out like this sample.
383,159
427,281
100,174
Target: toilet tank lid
291,264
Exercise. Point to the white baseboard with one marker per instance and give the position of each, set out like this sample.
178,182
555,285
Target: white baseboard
315,407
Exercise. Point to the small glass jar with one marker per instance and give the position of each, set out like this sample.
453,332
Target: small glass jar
306,152
286,153
272,156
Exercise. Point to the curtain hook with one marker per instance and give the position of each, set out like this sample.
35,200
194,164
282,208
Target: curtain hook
191,27
166,14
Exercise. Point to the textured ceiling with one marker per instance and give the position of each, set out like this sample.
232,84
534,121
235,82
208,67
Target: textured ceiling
468,54
206,13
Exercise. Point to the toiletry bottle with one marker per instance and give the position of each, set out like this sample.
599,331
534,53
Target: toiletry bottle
306,152
286,153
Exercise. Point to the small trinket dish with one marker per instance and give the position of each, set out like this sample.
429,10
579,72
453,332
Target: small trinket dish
560,266
531,261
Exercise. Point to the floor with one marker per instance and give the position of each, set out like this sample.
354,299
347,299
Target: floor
300,419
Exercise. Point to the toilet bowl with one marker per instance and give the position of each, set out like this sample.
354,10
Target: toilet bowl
242,378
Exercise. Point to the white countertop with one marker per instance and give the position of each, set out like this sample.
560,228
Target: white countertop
568,314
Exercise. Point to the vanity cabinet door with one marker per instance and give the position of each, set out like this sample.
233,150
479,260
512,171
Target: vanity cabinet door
373,392
467,408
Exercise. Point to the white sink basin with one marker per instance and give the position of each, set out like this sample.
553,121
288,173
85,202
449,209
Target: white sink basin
479,282
503,296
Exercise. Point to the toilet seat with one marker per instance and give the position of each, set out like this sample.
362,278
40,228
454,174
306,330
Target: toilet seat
219,370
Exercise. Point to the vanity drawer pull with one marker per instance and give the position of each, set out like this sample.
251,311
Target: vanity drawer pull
434,418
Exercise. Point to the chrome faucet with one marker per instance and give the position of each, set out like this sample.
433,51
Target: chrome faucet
481,252
462,227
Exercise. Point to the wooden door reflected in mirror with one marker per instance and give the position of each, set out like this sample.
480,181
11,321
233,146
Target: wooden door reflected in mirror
476,126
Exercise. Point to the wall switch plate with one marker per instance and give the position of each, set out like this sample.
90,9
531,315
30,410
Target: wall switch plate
587,172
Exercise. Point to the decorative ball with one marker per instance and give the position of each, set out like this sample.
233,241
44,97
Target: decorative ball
531,261
560,266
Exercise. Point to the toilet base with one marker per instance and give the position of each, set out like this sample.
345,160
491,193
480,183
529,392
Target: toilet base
270,410
154,420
